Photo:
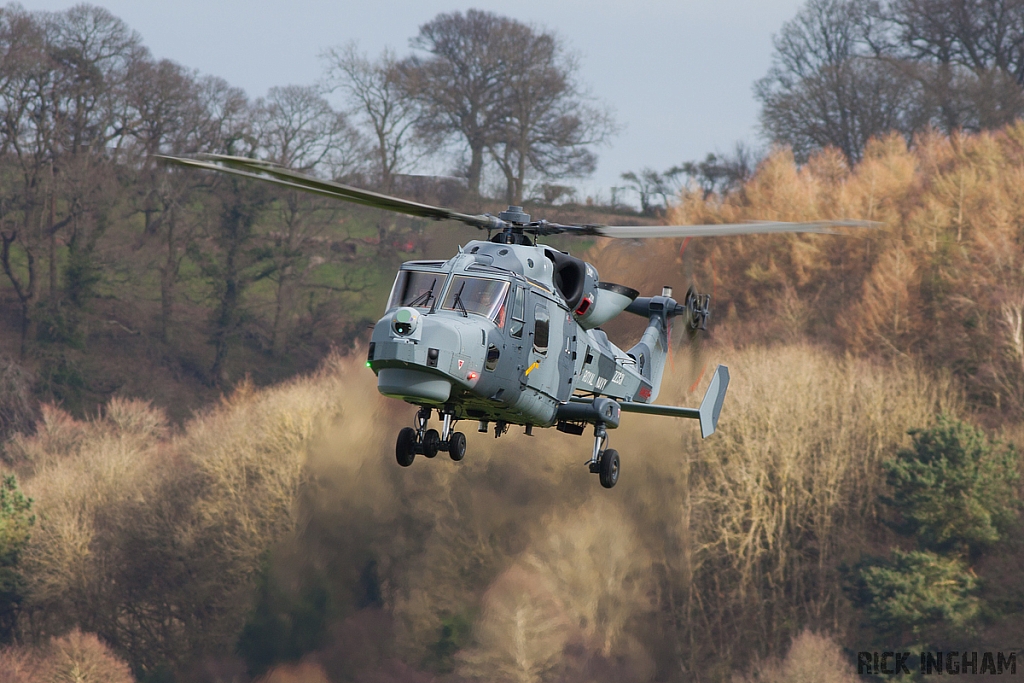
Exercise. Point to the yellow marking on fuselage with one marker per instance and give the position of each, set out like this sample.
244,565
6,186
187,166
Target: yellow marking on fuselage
536,364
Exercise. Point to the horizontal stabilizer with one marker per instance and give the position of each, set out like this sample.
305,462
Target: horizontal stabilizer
666,411
710,407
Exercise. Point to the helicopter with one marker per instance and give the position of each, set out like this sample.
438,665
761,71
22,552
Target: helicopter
508,330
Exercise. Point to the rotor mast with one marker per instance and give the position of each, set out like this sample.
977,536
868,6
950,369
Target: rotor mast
515,221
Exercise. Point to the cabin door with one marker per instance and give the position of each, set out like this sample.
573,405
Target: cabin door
543,343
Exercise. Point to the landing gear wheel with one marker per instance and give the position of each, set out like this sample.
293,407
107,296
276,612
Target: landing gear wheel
457,446
609,468
431,443
405,449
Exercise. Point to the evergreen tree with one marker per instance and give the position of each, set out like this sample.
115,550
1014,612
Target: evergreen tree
953,490
953,493
917,594
16,520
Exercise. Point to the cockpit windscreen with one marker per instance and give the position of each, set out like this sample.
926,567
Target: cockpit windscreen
482,296
416,289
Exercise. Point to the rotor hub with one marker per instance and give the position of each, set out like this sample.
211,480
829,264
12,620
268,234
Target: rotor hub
515,214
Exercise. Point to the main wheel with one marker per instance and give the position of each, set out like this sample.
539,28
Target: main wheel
405,449
431,443
609,468
457,446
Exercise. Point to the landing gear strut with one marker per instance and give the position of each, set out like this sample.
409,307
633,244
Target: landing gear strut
604,461
428,442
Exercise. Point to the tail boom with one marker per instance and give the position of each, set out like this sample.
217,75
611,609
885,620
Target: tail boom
707,414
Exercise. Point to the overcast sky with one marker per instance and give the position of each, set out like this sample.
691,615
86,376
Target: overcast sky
678,74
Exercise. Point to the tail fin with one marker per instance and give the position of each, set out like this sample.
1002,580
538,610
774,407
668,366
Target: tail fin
652,349
711,406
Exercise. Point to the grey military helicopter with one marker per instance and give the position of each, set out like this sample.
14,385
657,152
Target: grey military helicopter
507,331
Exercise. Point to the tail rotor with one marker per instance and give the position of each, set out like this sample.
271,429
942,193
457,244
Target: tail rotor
688,331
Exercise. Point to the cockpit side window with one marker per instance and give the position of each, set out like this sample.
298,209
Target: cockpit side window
483,296
416,289
518,313
541,330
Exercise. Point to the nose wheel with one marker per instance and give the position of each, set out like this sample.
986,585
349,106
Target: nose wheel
605,461
608,468
405,449
428,442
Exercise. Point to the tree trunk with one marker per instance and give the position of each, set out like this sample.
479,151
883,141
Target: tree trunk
166,304
476,166
168,278
226,316
521,168
25,291
283,305
52,241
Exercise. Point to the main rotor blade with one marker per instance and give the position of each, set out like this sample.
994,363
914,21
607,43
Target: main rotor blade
719,230
278,175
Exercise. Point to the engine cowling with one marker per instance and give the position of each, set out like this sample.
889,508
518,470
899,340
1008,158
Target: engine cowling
592,302
608,300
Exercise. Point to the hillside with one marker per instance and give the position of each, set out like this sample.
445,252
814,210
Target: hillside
159,541
120,340
271,534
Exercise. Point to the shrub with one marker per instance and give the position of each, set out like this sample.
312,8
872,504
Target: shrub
812,658
82,658
73,658
17,407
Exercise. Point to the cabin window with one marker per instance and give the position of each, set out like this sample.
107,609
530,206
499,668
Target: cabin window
493,354
416,289
518,313
483,296
540,329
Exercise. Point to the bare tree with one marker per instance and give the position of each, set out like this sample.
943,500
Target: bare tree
93,54
299,129
507,89
826,87
846,70
25,130
646,183
720,173
461,86
231,260
376,96
164,101
550,126
173,110
63,85
967,56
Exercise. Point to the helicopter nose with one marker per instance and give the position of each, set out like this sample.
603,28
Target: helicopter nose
419,358
416,385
